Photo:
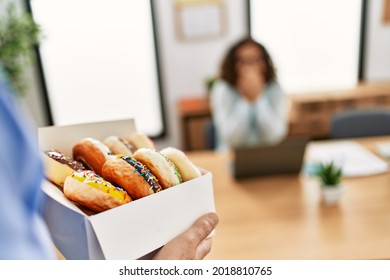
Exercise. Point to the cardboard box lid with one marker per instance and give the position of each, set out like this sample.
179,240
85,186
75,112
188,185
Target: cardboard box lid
63,138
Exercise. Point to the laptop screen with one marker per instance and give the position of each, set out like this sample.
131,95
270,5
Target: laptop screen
283,158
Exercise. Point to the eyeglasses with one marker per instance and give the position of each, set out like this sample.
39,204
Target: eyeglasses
249,60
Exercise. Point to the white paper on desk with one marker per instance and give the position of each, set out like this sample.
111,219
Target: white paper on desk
353,158
383,148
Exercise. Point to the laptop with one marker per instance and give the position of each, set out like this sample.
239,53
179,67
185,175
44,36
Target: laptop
283,158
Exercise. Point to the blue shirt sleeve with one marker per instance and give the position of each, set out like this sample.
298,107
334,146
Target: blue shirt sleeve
23,234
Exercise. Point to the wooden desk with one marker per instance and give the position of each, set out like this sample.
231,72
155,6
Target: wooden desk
283,217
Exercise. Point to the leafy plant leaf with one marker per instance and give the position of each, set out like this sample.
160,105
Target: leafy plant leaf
18,34
329,174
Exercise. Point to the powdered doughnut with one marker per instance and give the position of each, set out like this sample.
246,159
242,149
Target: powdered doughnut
118,145
140,140
165,171
187,169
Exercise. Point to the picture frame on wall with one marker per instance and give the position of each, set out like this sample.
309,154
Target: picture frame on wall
199,19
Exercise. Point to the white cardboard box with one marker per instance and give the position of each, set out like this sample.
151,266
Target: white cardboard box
125,232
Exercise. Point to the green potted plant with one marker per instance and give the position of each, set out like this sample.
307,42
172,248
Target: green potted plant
18,34
209,82
330,177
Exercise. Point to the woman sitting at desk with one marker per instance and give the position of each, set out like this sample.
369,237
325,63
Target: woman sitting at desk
248,105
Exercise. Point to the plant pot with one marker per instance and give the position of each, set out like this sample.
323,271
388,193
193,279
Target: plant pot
332,194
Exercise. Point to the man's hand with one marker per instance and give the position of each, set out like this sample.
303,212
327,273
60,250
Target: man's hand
192,244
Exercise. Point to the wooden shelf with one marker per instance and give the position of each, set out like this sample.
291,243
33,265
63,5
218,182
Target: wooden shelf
310,114
194,115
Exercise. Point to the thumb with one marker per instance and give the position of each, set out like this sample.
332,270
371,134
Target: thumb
201,229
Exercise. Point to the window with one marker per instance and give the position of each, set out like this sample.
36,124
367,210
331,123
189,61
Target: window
314,44
99,61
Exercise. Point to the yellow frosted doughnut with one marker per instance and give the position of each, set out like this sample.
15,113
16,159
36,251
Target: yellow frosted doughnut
89,189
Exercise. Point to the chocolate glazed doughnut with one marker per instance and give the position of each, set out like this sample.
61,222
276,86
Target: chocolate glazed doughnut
58,166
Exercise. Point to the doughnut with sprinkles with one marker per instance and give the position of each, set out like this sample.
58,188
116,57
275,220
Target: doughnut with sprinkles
131,175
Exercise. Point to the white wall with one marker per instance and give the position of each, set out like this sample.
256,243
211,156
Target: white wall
377,64
312,52
185,65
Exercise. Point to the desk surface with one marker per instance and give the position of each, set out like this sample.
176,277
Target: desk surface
282,217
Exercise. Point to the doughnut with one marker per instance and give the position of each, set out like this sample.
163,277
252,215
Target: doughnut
58,166
187,169
89,189
92,154
164,169
131,175
140,140
118,145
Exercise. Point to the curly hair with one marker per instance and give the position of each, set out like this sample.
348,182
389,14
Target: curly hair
228,70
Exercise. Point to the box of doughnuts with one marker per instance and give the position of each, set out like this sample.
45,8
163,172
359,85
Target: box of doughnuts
110,193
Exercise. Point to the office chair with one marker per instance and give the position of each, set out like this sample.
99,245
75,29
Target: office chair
210,134
360,123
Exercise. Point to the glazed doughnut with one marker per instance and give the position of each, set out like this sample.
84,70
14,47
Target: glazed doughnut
131,175
118,145
140,140
187,169
58,166
92,154
89,189
164,169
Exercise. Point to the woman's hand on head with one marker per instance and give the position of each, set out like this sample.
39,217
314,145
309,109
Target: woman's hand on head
192,244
